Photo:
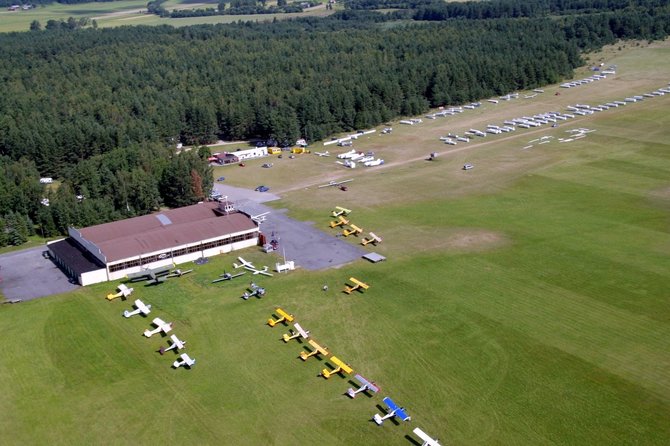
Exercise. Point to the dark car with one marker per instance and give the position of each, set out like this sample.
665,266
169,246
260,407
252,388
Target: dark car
262,189
221,179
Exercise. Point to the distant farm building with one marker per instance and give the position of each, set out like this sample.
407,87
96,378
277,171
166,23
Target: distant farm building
111,251
238,155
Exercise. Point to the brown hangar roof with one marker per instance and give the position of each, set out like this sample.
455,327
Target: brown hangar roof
164,230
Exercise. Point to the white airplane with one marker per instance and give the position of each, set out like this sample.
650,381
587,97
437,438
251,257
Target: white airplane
335,183
259,218
365,159
243,264
141,308
427,440
326,153
346,155
263,271
365,386
179,272
176,344
161,326
186,361
376,162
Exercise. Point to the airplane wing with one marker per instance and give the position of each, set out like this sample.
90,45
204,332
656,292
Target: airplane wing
245,263
161,271
142,307
137,275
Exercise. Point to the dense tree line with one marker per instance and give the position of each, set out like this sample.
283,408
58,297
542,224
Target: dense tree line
103,109
71,95
492,9
122,183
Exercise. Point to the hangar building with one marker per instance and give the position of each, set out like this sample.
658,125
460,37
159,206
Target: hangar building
111,251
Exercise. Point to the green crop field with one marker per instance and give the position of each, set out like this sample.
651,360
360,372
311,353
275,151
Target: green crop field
524,301
133,12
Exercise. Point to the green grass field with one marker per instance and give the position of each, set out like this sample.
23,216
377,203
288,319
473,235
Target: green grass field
522,302
131,12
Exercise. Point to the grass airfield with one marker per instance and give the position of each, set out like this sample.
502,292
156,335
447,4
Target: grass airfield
522,302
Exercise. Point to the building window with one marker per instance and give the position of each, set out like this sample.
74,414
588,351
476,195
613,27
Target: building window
182,251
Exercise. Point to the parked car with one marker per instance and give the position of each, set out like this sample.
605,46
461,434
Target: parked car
262,189
221,179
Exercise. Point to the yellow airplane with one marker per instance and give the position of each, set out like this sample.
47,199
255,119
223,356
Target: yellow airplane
283,317
357,285
353,230
341,367
341,221
316,350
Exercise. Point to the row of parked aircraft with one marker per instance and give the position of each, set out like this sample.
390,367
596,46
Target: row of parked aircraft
160,326
338,367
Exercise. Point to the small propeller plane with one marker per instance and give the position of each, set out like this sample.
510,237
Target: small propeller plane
253,290
243,264
341,221
394,411
373,238
340,367
339,210
334,183
151,275
316,350
186,361
228,276
178,272
365,386
357,285
141,309
260,218
284,317
326,153
427,440
161,326
299,333
124,292
263,271
177,344
352,230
